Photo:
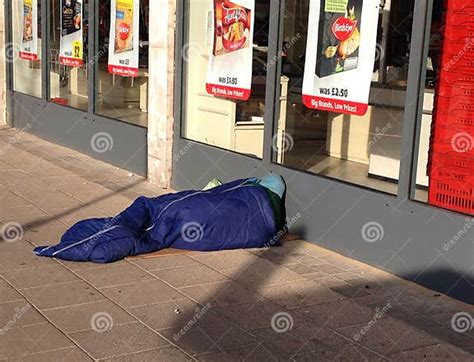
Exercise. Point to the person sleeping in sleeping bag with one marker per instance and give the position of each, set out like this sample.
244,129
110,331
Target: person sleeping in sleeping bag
247,213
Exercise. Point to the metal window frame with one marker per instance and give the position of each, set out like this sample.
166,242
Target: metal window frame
68,126
413,100
8,29
93,72
92,6
271,88
45,56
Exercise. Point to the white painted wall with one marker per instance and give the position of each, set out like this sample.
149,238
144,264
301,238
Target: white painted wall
3,88
160,91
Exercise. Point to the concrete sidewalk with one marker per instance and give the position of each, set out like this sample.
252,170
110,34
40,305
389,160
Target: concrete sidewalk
296,302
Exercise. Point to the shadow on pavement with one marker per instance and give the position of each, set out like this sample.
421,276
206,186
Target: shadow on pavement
44,220
315,316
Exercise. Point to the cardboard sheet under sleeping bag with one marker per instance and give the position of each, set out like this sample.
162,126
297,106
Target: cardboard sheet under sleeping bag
246,213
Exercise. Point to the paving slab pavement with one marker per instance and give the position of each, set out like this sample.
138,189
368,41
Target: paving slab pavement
296,302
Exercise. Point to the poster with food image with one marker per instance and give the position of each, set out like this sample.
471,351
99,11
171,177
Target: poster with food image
340,55
124,38
71,42
230,63
29,30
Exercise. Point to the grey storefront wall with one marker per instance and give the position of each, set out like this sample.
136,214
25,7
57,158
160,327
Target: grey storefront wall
68,126
420,243
75,129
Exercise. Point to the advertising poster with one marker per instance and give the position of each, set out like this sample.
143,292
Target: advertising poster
29,31
230,63
124,37
340,55
71,45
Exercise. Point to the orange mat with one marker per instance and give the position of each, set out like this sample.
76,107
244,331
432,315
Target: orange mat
163,252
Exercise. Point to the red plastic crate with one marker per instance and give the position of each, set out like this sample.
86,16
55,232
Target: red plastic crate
453,120
460,106
461,178
447,133
457,33
460,48
463,64
453,91
453,163
452,149
456,5
451,158
452,190
452,142
459,17
459,59
453,77
450,120
460,102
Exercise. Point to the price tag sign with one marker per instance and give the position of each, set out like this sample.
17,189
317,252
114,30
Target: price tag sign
71,43
340,55
230,62
124,38
77,49
29,36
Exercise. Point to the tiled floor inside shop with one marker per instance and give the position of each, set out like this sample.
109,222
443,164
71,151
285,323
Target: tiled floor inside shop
295,302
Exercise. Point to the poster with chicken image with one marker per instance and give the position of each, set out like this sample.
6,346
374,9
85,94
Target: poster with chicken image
124,38
230,63
71,42
29,30
340,55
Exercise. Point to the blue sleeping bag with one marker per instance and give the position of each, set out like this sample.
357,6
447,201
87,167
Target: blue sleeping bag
239,214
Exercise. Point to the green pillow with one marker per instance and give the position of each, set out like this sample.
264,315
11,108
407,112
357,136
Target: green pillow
211,184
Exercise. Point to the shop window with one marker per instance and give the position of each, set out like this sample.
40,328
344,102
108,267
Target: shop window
122,62
359,149
444,174
225,57
68,52
25,50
